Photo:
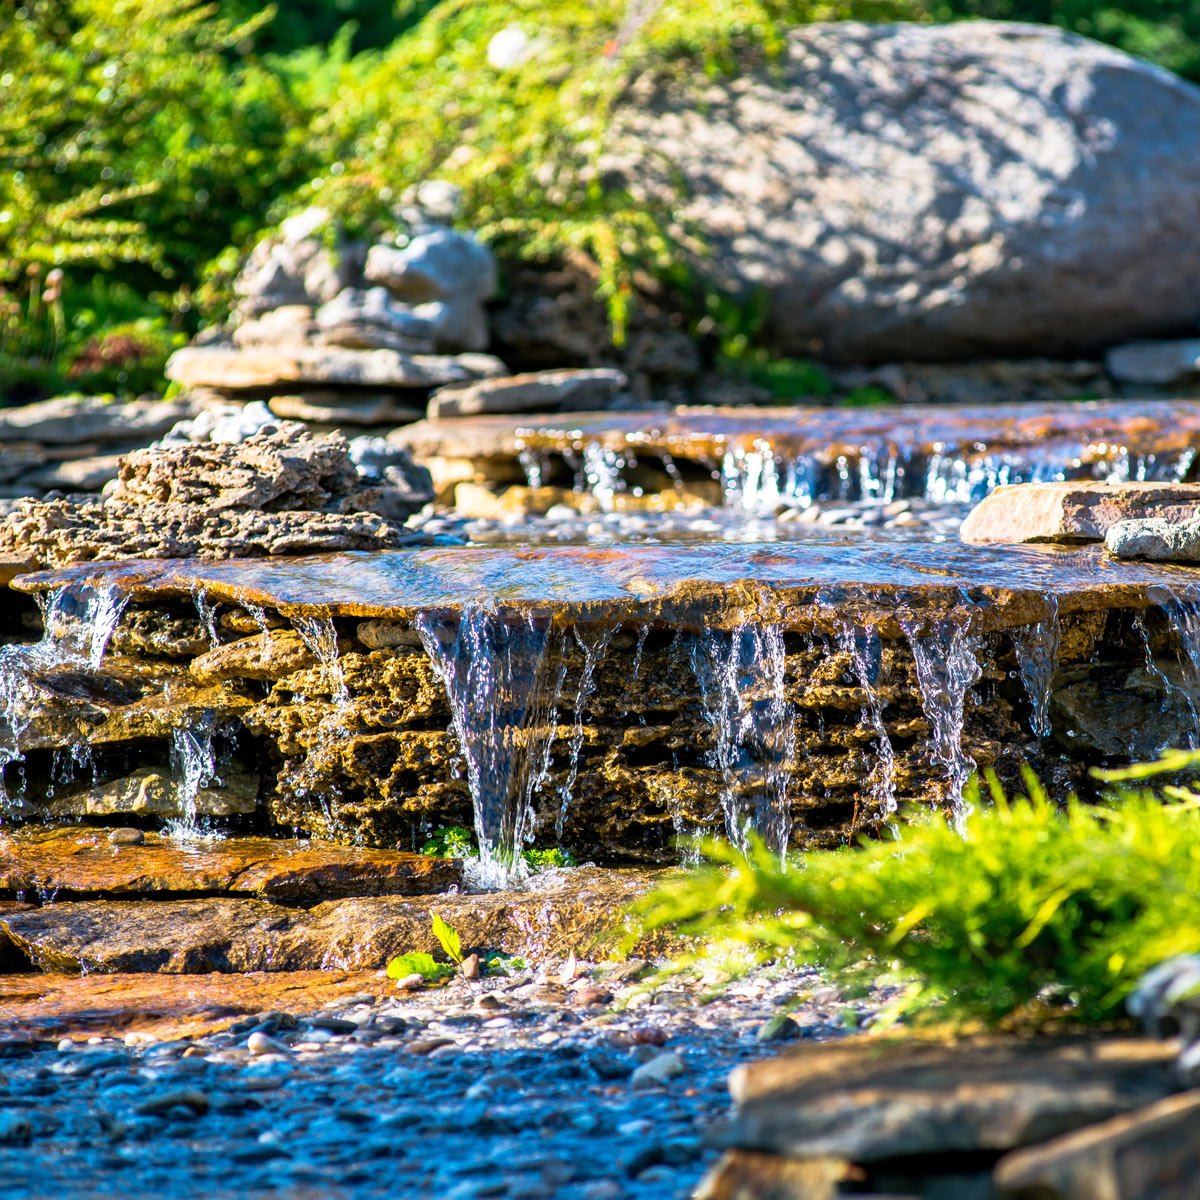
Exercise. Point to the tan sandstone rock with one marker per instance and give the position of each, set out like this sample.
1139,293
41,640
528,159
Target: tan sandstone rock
1073,511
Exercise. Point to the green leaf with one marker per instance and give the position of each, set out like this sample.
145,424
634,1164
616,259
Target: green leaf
451,942
418,963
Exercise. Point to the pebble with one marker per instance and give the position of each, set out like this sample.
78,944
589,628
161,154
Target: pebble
259,1043
126,837
660,1069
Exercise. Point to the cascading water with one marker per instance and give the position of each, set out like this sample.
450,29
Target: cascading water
501,684
78,621
1183,616
862,643
946,655
1036,647
206,610
193,766
320,635
593,647
741,678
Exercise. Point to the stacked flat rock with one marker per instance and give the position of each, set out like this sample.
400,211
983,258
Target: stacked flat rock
280,490
342,333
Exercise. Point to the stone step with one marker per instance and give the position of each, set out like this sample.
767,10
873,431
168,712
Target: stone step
82,862
555,914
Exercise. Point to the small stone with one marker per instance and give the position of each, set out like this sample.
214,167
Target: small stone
428,1045
188,1098
779,1028
592,995
411,983
126,837
470,967
260,1043
658,1070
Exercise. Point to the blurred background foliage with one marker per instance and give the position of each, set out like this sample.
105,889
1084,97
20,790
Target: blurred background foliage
145,144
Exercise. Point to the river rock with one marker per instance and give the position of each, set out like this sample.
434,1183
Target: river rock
267,655
1074,511
281,491
1151,1154
1157,364
865,1100
298,265
440,264
289,325
275,367
745,1175
79,863
340,408
1156,538
934,191
151,793
373,308
75,420
538,391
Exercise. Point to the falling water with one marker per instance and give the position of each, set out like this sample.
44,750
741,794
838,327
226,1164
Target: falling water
1036,648
320,635
1183,617
193,767
741,678
206,610
946,656
1176,616
501,686
862,643
593,646
78,622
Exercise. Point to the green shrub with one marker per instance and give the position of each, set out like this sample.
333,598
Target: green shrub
1035,911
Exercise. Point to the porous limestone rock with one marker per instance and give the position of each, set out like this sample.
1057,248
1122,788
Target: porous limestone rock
281,491
153,793
1074,511
917,191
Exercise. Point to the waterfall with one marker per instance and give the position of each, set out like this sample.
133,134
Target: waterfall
320,635
206,610
1036,648
503,698
946,657
593,648
862,643
78,621
1183,617
193,766
741,678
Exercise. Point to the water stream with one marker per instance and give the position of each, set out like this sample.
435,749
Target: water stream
1036,647
593,643
503,684
741,677
862,643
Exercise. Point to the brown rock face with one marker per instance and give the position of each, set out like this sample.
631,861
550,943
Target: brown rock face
1151,1154
81,862
283,492
1073,512
167,1006
868,1100
197,936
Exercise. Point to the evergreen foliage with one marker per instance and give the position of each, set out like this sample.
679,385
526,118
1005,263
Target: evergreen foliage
1036,911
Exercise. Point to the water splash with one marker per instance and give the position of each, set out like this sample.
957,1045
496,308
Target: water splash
78,622
1036,647
946,656
193,767
319,634
741,678
500,684
206,610
861,642
593,645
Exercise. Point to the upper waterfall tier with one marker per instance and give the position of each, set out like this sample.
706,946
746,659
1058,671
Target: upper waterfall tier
782,581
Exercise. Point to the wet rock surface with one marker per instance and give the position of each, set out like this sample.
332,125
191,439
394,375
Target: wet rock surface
501,1087
65,861
230,934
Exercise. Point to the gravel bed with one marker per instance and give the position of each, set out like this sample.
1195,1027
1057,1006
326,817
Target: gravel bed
576,1082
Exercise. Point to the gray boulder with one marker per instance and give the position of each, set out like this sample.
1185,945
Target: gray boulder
1158,539
931,192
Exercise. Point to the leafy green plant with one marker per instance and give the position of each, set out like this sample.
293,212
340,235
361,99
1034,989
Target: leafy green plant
448,939
419,963
545,860
451,841
1035,911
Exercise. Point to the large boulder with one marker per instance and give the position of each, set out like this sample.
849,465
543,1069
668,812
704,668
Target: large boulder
932,192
